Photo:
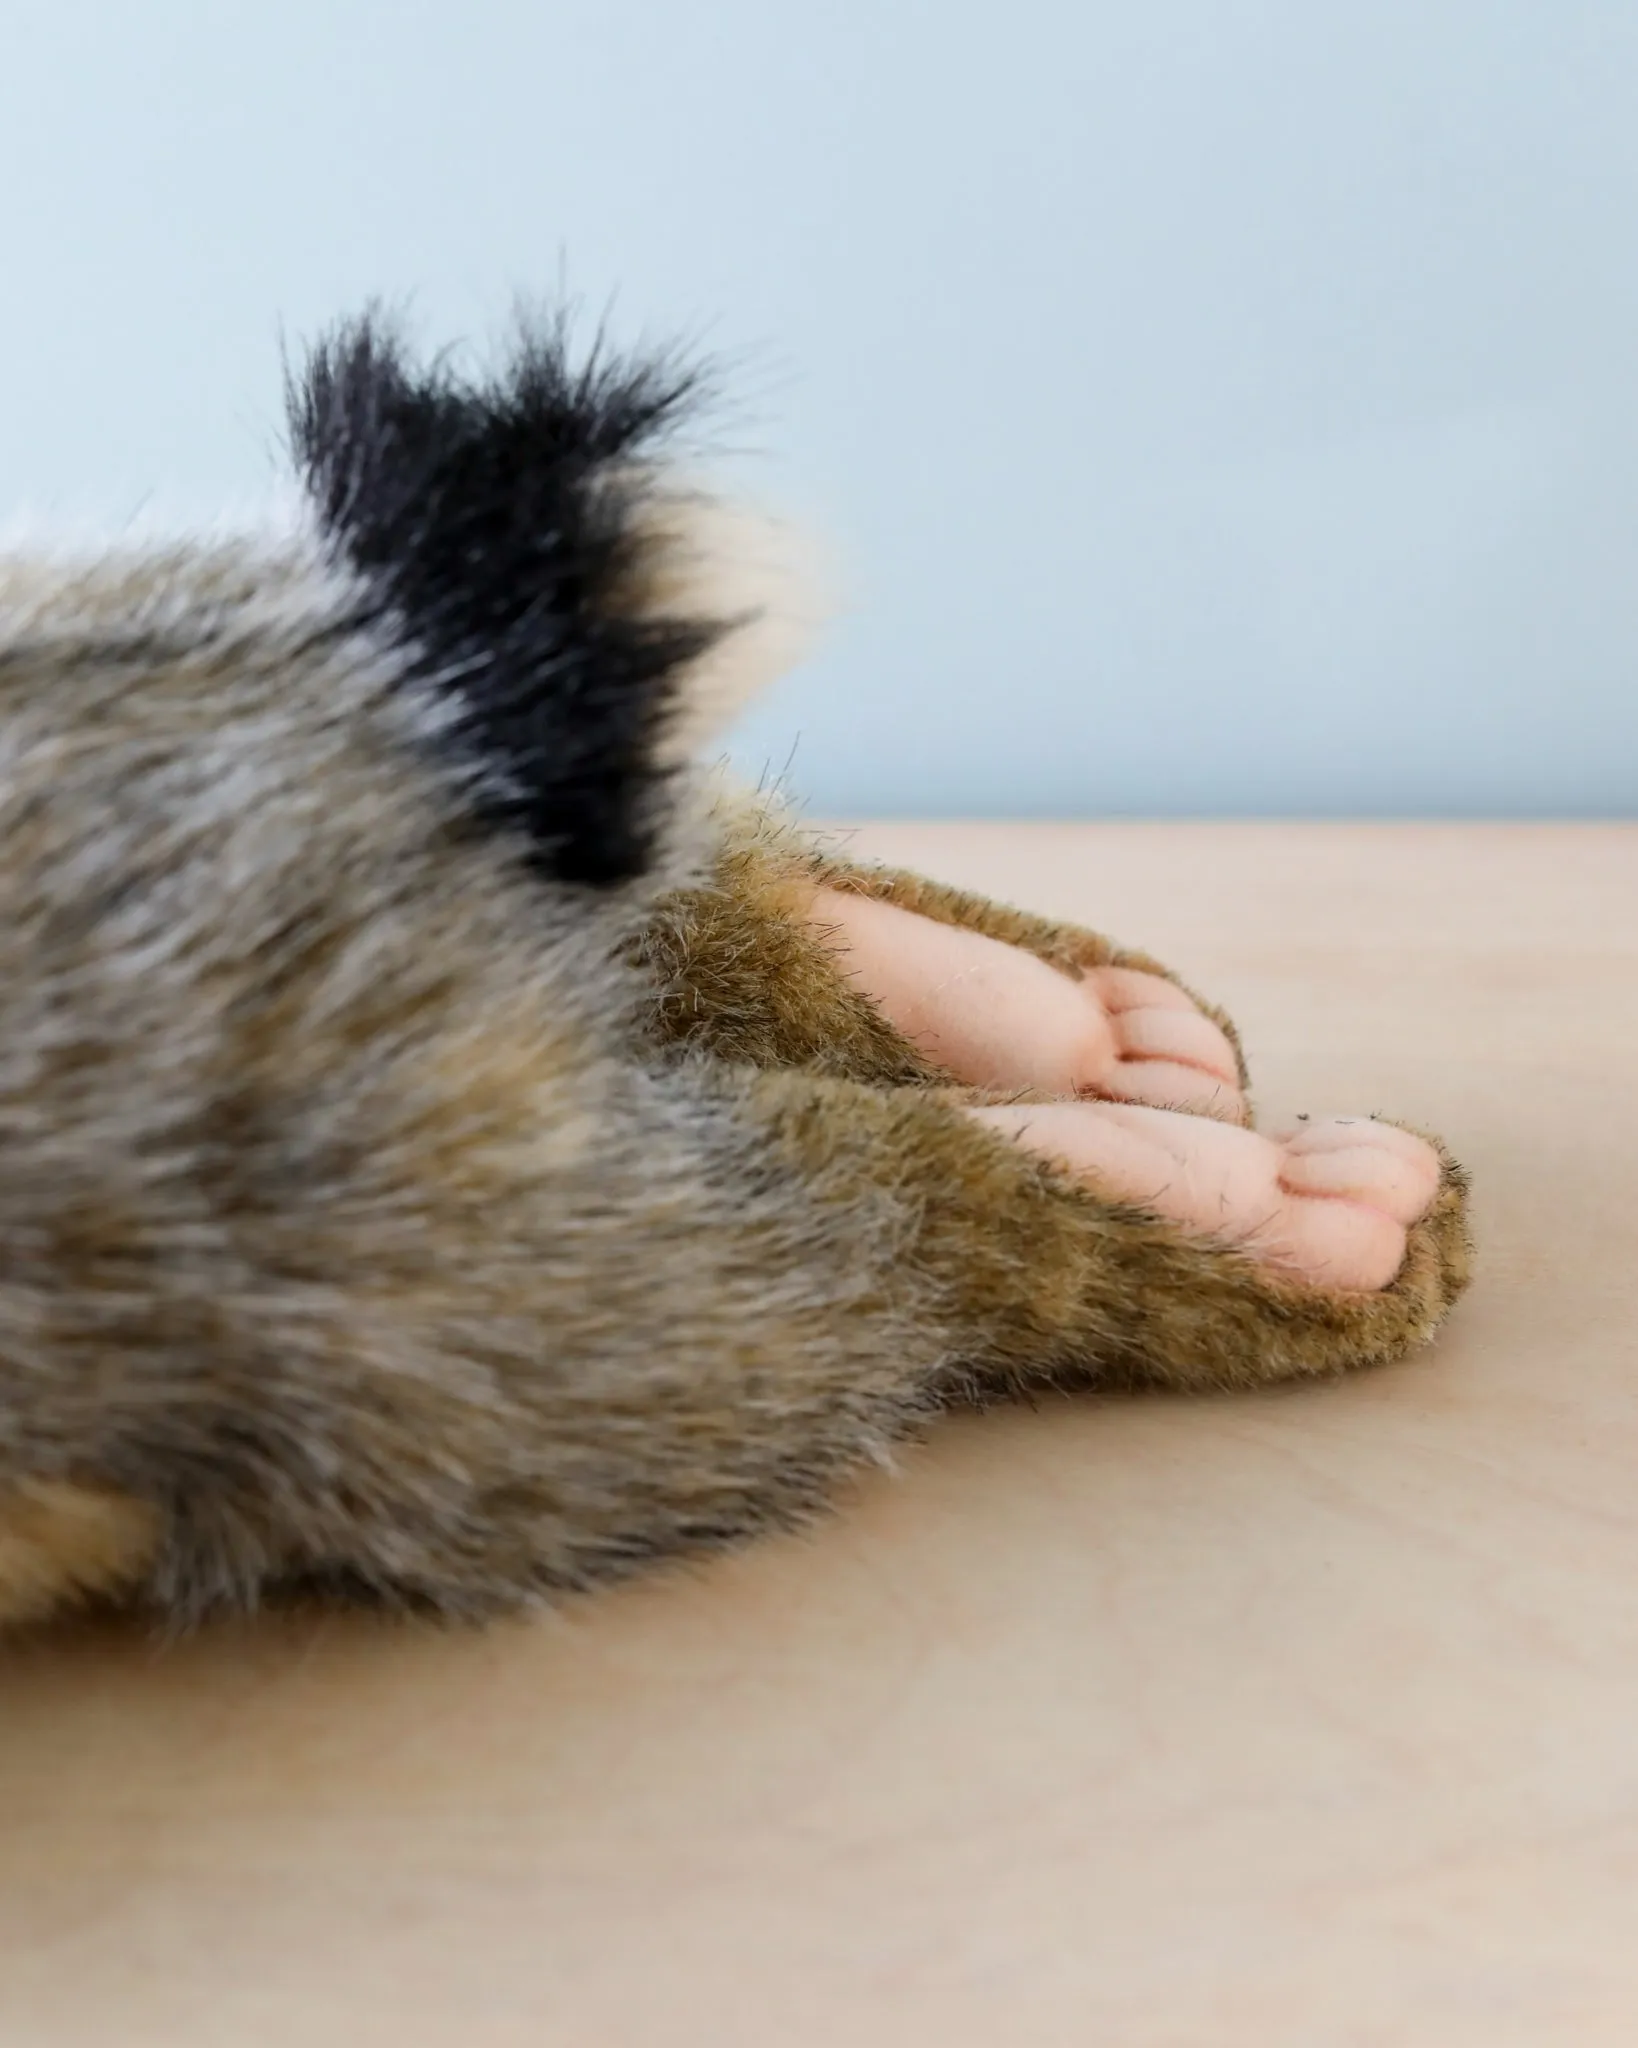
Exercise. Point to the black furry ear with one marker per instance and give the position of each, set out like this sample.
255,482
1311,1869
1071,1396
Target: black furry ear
502,522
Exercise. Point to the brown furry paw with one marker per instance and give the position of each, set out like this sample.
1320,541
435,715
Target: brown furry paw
994,1016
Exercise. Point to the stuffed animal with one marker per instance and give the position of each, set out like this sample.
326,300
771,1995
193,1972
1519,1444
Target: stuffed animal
459,1151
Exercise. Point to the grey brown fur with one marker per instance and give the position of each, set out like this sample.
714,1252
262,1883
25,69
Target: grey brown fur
389,1215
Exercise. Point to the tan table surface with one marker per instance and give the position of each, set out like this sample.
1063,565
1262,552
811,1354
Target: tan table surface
1305,1719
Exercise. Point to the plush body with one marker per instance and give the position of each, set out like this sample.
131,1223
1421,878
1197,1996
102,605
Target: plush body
455,1151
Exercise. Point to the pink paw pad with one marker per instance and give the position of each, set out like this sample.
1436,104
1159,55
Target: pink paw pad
1330,1205
996,1016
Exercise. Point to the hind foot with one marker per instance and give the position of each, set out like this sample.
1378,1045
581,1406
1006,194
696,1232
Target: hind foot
994,1016
1331,1203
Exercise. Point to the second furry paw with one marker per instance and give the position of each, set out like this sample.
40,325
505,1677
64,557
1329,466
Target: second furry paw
994,1016
1331,1204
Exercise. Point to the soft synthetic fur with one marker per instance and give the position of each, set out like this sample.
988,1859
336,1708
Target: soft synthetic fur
503,523
438,1170
745,977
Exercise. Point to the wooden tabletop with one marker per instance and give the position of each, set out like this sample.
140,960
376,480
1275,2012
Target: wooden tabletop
1290,1721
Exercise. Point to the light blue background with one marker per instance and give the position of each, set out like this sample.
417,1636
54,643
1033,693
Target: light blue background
1222,407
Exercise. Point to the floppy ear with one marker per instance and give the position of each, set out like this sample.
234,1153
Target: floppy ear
589,618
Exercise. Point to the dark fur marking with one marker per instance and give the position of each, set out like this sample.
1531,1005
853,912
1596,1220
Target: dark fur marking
500,521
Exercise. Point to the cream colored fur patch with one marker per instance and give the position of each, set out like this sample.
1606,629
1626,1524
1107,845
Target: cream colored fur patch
766,578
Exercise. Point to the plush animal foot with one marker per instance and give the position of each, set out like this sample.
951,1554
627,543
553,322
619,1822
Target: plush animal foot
994,1016
1331,1203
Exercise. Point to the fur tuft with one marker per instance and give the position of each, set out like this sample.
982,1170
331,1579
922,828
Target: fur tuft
511,527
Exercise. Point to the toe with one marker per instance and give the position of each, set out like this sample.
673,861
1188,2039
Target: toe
1357,1160
1337,1133
1333,1244
1183,1036
1164,1084
1125,988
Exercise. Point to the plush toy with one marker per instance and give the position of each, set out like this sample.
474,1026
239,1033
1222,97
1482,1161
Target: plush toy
458,1151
